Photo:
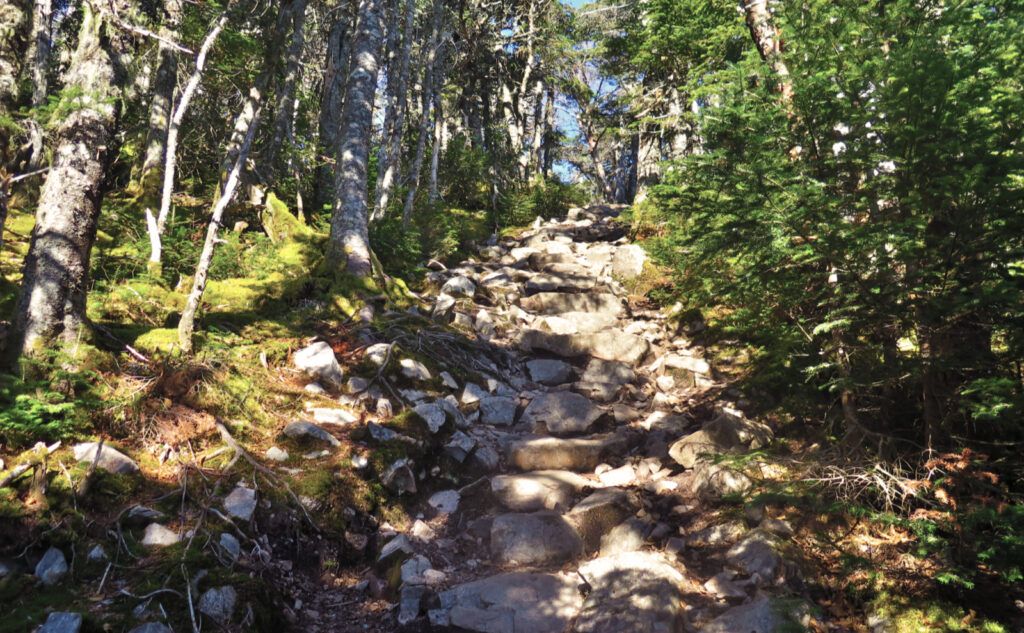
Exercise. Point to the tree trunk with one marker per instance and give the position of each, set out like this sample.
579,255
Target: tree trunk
51,303
348,246
13,37
339,54
186,326
40,55
285,105
427,97
769,44
435,154
549,133
389,162
151,175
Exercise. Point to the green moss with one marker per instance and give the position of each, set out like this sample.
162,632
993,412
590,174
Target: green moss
157,341
908,615
280,224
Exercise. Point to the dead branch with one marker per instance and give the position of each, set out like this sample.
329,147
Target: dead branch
29,459
271,477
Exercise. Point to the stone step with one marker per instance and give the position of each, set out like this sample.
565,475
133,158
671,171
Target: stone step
516,602
539,538
611,344
553,453
537,490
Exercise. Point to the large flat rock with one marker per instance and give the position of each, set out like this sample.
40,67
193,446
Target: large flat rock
560,302
633,591
518,602
537,490
610,344
541,538
552,453
561,413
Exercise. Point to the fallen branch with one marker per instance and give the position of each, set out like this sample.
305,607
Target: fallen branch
225,435
31,458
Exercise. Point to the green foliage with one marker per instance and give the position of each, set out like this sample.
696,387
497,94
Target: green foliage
883,204
545,198
34,410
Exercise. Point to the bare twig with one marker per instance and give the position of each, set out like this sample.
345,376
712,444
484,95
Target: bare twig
188,594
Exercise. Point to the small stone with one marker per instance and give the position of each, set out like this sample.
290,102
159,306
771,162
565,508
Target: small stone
230,544
432,414
498,410
722,586
412,570
315,388
779,527
96,555
459,286
414,369
444,501
549,371
459,446
303,429
628,261
396,549
157,535
472,393
340,417
434,577
499,388
665,383
241,503
448,381
110,459
756,554
52,567
218,603
377,353
409,603
360,462
422,531
485,458
622,476
399,477
319,362
356,384
384,408
142,514
277,454
62,622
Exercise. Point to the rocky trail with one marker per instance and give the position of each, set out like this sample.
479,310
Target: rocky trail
550,439
591,428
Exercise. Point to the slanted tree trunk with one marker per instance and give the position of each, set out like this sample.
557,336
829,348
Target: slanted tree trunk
390,159
40,55
186,326
151,173
769,44
51,302
171,158
284,109
348,246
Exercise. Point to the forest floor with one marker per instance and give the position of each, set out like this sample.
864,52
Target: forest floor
530,445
